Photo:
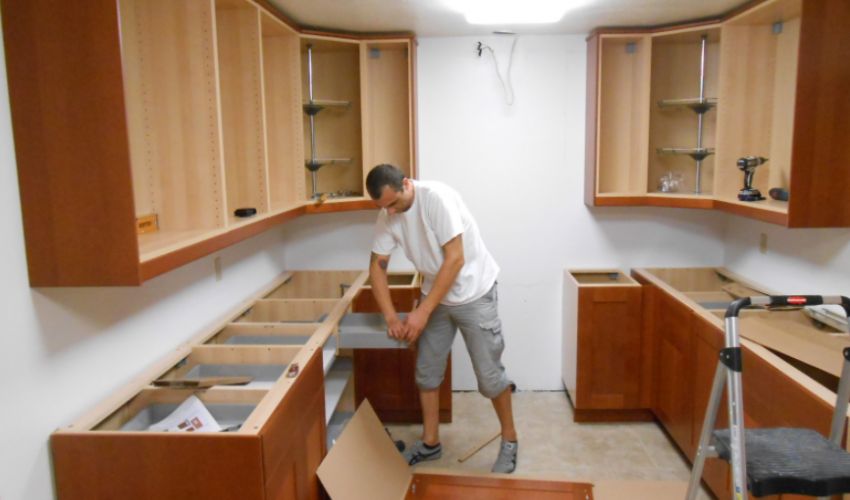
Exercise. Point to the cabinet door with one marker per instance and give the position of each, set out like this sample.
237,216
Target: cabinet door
294,438
708,341
673,369
609,340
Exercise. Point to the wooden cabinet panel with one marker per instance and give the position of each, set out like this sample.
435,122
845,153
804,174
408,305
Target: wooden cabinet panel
708,341
674,368
609,328
294,437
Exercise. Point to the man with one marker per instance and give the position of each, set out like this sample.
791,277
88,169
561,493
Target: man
438,234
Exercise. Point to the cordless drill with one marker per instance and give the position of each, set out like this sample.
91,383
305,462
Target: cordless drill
748,165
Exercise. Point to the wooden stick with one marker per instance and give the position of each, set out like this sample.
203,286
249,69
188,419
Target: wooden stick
201,383
479,447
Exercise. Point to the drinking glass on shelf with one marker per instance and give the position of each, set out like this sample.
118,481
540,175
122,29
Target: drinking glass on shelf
671,182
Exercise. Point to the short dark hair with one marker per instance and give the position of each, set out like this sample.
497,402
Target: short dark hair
383,175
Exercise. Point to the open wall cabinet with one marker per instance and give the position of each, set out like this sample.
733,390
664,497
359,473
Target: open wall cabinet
763,81
141,126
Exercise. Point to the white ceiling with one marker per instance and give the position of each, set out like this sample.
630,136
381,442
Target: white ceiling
434,18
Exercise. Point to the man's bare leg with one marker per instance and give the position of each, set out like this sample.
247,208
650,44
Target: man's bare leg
430,401
504,410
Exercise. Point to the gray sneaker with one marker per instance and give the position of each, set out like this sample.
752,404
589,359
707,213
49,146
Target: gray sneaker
418,452
506,462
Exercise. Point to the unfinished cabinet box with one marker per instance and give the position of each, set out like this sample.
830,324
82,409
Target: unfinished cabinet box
274,457
141,126
386,377
773,74
276,422
357,112
602,322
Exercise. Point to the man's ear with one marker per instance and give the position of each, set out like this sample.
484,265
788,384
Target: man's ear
405,183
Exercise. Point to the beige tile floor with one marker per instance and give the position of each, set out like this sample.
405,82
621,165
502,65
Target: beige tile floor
551,444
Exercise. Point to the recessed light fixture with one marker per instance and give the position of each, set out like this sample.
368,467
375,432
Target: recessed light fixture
513,11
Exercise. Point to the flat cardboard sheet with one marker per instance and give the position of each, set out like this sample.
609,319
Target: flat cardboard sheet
364,464
793,334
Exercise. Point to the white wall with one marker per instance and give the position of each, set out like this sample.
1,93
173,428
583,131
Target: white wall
811,261
520,169
65,349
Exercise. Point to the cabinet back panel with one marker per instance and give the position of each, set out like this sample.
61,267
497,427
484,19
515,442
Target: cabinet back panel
172,111
240,77
285,144
675,75
624,115
757,94
386,105
336,76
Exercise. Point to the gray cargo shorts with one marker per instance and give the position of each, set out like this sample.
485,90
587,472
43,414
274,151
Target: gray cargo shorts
481,328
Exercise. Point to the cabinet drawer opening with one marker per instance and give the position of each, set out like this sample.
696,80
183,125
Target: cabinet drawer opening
612,277
288,310
229,407
398,279
315,285
255,367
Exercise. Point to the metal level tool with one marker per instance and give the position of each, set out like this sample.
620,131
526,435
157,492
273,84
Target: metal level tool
772,461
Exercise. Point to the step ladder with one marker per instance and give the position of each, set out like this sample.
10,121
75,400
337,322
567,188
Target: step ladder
780,460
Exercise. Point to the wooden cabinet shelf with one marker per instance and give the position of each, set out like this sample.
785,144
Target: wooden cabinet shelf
777,67
182,112
695,104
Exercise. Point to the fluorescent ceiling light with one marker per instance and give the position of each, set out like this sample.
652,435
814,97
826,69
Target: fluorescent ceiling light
513,11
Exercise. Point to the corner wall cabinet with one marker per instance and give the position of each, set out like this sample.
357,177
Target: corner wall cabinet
142,125
768,80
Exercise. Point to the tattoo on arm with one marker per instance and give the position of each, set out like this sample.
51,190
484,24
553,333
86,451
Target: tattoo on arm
382,260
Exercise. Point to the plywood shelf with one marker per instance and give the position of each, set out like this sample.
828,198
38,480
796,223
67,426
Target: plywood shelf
695,104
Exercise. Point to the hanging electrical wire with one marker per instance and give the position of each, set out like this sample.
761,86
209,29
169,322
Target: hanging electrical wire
507,88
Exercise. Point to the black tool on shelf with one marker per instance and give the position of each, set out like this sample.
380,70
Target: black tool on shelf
748,165
245,212
780,194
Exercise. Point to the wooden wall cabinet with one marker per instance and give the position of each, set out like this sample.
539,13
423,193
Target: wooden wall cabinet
142,125
602,323
773,77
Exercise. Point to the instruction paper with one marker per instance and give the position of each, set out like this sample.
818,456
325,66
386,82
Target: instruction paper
190,416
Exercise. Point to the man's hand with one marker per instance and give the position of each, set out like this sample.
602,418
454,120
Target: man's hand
415,323
397,329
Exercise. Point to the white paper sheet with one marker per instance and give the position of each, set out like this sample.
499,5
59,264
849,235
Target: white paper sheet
190,416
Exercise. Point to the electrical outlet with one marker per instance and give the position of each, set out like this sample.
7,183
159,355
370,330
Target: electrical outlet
763,243
217,268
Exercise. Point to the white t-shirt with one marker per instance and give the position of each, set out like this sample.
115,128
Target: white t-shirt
437,215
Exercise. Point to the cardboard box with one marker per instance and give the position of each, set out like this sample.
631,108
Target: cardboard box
364,464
